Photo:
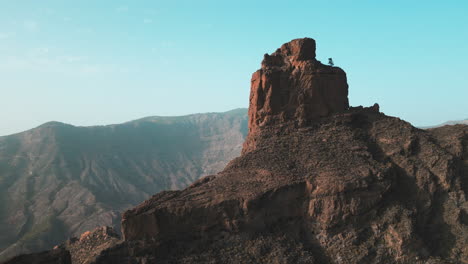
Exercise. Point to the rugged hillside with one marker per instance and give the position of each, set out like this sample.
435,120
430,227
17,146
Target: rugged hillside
317,182
57,180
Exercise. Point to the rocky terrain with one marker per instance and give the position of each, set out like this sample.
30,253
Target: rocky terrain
90,244
58,180
317,182
83,249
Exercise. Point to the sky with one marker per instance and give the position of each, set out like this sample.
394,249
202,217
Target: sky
92,62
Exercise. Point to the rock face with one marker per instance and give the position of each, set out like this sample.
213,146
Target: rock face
58,181
292,86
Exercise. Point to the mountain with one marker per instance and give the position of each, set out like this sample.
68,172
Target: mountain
451,123
58,180
317,182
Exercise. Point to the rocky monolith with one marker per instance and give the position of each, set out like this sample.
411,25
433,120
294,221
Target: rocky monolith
292,86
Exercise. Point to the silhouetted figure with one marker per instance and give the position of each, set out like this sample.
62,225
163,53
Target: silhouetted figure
330,62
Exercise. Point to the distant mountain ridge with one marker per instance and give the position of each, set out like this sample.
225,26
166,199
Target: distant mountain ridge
450,123
59,180
456,122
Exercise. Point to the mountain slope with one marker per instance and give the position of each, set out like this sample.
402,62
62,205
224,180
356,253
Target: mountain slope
456,122
448,123
317,182
58,180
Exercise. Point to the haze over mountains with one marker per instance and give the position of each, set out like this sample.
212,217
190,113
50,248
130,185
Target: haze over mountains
455,122
58,180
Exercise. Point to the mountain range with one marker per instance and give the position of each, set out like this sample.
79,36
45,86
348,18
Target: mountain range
59,180
451,123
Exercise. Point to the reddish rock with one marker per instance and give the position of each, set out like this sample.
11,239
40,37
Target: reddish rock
292,86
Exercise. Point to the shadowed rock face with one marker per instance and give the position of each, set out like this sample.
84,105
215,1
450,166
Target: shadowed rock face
292,86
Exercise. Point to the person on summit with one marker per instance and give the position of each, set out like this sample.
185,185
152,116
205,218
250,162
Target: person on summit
330,62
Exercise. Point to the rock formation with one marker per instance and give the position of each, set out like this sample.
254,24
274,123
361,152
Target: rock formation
318,182
90,244
292,86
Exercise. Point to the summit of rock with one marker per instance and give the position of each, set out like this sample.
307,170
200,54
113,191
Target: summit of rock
292,87
296,50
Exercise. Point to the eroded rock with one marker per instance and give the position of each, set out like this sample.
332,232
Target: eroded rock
292,86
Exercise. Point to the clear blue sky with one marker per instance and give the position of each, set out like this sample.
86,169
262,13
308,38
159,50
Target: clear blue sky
94,62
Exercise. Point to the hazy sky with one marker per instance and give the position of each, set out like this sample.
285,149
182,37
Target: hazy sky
100,62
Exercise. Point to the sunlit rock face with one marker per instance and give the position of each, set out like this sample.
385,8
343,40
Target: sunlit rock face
293,87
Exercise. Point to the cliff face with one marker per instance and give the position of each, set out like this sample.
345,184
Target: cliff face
292,86
318,182
58,181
